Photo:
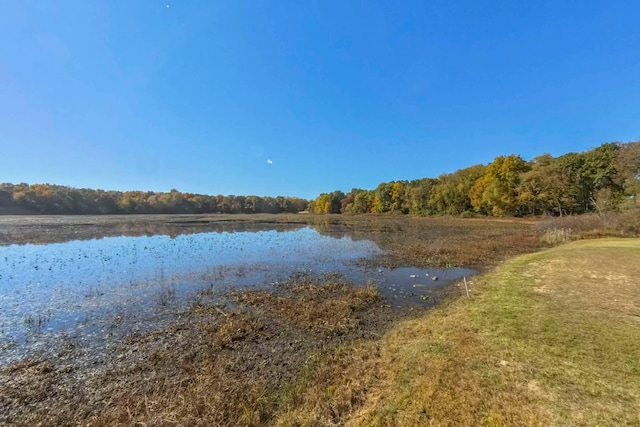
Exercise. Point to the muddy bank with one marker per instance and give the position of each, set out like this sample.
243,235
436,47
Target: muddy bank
221,361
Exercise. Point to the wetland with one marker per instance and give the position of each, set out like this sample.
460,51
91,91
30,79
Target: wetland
100,312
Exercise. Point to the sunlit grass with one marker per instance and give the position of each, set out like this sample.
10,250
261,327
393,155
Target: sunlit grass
548,339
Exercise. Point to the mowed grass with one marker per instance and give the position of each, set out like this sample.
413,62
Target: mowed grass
551,338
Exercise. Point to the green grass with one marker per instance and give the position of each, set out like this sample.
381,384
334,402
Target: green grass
551,338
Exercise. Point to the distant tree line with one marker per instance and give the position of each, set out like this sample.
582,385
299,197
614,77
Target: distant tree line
602,179
56,199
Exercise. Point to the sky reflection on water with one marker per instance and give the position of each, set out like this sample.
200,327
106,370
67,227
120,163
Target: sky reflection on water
45,289
78,288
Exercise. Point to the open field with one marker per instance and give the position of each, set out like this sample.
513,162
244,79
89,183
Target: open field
316,351
551,338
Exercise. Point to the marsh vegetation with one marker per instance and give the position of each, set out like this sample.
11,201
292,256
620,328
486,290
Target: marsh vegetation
311,348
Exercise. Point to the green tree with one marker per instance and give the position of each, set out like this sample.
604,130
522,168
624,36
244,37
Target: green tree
628,167
418,196
363,202
399,201
549,186
450,195
383,197
602,190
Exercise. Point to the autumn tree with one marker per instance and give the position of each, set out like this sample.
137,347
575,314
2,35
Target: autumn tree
601,188
496,192
346,205
6,195
549,186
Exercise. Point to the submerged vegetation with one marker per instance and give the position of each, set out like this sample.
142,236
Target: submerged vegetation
235,363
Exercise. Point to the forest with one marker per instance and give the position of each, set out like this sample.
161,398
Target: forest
56,199
602,179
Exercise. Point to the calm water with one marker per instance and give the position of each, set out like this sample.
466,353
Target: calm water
89,291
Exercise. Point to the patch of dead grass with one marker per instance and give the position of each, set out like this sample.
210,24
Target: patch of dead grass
512,355
217,366
315,306
332,386
444,241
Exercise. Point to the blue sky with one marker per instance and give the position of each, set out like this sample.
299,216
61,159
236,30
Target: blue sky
302,97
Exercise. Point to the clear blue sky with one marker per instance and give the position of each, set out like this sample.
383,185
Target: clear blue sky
302,97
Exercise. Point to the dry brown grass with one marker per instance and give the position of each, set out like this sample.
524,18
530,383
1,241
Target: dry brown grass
555,236
549,339
333,385
329,307
447,242
215,367
589,226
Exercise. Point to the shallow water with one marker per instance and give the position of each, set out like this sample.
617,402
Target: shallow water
93,290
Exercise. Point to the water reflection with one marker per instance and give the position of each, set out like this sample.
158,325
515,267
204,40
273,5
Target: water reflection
46,289
43,230
92,290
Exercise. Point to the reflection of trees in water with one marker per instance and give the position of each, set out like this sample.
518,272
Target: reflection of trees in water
383,233
375,229
57,233
435,241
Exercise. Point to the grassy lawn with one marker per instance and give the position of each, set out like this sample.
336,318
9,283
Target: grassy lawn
551,338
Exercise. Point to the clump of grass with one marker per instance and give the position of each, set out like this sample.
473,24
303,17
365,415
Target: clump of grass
37,322
238,326
328,307
548,339
588,226
554,236
165,296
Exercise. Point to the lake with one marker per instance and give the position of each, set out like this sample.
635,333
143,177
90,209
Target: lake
94,292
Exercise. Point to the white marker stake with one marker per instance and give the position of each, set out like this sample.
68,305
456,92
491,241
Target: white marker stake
465,286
